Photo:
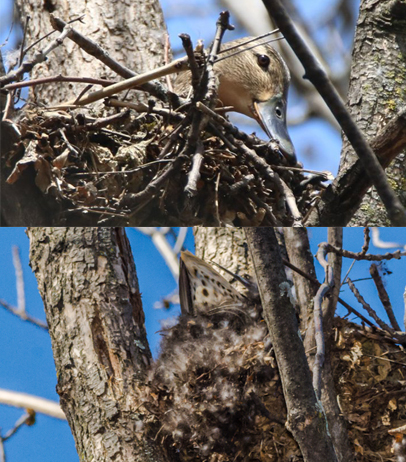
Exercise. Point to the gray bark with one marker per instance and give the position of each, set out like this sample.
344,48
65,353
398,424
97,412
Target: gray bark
87,280
377,92
133,33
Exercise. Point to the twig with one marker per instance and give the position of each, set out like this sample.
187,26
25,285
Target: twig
320,80
23,316
176,66
194,174
39,57
22,52
167,53
27,418
33,44
376,240
396,335
71,148
42,405
93,49
216,199
317,284
367,239
383,296
161,243
249,140
57,78
194,68
318,317
369,257
291,203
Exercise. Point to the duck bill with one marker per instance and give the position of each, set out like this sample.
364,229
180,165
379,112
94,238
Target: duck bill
275,127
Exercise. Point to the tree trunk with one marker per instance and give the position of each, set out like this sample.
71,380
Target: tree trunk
225,246
88,282
133,33
377,92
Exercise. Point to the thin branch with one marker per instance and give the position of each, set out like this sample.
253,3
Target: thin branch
383,296
28,418
367,239
24,316
95,50
341,301
376,240
291,203
41,405
162,245
58,78
39,57
19,280
399,337
133,82
369,257
318,317
194,173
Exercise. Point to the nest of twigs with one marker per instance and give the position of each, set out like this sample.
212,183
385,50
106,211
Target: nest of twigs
215,394
132,168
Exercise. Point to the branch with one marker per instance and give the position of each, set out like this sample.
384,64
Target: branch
39,57
95,50
368,256
305,419
318,317
343,197
383,295
24,400
401,338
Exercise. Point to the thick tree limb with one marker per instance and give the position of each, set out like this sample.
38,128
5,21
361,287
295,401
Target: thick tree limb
305,419
87,279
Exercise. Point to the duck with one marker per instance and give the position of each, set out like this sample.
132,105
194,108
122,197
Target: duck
253,81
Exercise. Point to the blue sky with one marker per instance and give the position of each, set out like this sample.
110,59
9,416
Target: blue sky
26,357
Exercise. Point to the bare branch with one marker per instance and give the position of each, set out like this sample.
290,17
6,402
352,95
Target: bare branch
24,400
39,57
383,295
28,418
302,404
396,335
369,257
318,317
376,240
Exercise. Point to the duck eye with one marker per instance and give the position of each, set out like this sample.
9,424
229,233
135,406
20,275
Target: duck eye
263,60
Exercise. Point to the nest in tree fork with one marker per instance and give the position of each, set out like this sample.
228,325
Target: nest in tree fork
215,393
132,168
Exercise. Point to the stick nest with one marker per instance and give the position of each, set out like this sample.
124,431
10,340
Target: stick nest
131,168
215,393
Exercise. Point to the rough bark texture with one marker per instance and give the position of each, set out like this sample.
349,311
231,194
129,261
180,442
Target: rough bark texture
132,32
87,279
378,91
337,425
305,420
298,248
227,247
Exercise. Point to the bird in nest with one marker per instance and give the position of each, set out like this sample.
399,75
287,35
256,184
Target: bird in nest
253,81
215,366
